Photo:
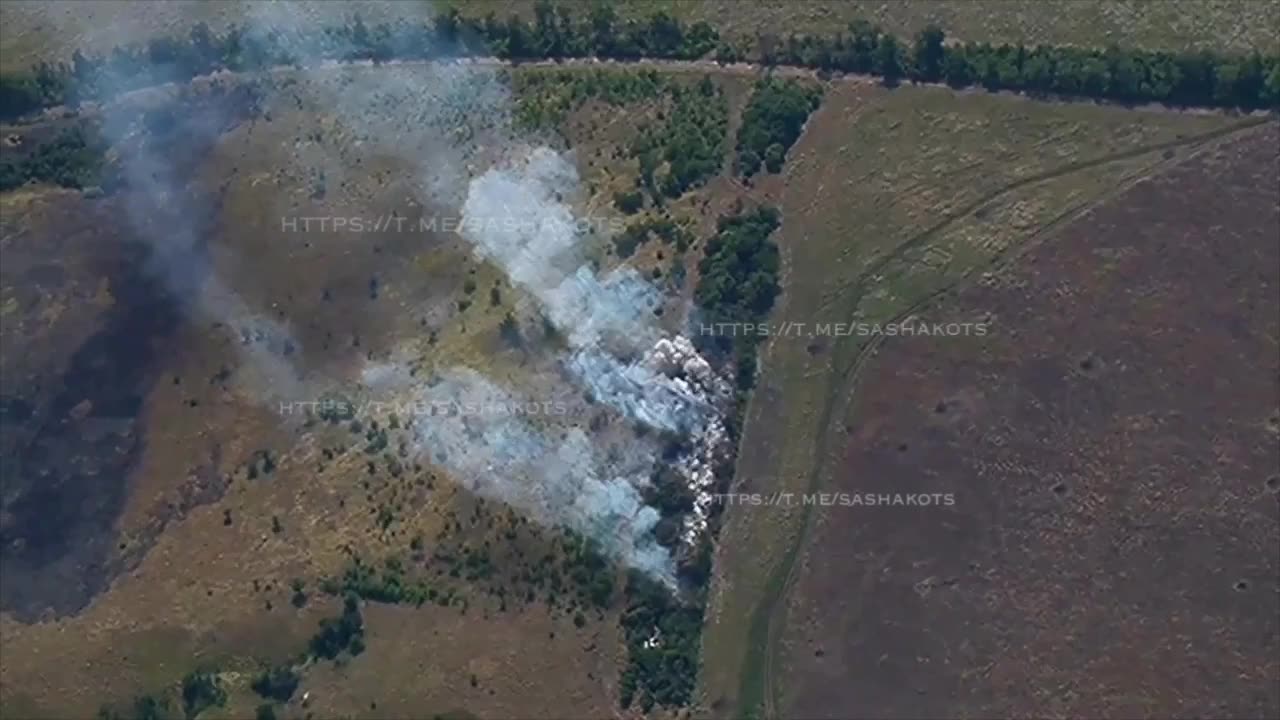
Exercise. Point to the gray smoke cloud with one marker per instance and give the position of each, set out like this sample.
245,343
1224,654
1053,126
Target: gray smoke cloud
562,479
522,223
159,143
450,121
444,118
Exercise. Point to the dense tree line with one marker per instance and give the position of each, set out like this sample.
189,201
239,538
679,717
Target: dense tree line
738,285
663,636
1123,75
1126,75
772,123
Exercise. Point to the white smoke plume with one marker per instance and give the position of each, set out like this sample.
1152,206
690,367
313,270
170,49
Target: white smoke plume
565,480
515,216
450,120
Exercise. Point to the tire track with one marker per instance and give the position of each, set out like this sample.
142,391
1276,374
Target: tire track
767,620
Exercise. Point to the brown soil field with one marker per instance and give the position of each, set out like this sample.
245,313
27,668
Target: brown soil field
1112,448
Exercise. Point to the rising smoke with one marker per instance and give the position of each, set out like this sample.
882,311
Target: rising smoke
615,352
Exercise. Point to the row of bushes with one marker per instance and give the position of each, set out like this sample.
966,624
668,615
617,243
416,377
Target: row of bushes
1203,78
738,284
1124,75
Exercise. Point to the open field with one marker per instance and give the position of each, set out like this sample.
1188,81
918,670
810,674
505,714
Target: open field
1111,448
32,30
207,503
890,198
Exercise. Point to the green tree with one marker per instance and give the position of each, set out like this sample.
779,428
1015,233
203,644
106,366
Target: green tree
773,157
929,54
201,691
889,60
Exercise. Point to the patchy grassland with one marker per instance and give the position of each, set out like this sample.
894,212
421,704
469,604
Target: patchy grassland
890,198
221,510
221,505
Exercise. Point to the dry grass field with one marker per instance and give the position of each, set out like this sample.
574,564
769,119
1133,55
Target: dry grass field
206,503
1111,449
891,198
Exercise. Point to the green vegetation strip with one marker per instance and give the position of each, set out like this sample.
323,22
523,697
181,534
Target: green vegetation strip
1124,75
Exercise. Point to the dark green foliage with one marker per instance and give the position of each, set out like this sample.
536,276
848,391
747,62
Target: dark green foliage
299,597
278,683
587,567
668,492
694,137
149,707
73,159
686,147
666,672
388,586
889,60
775,116
201,691
337,634
265,711
19,95
626,242
629,202
739,277
1124,75
929,54
739,284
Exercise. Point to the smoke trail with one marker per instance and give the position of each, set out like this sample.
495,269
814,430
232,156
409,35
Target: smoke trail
159,149
448,120
566,481
538,245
